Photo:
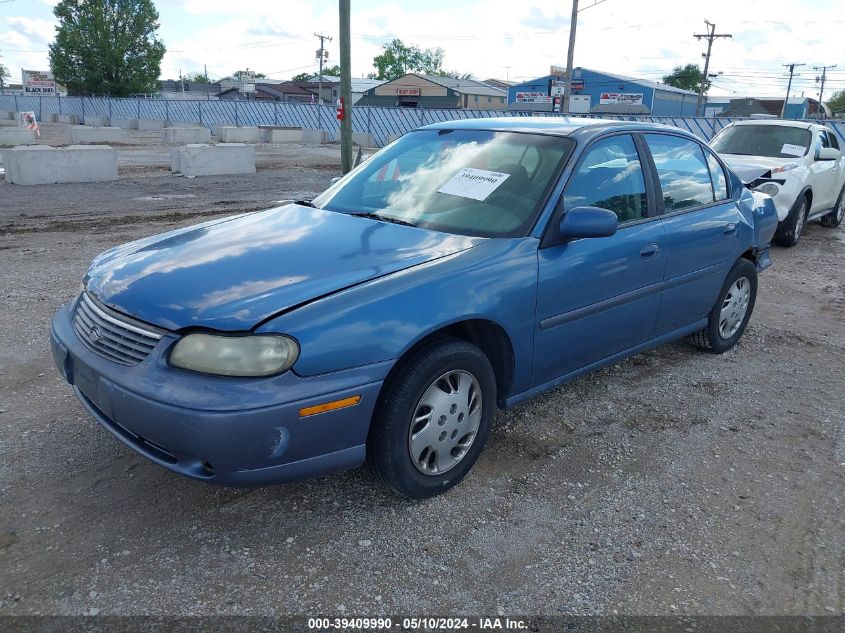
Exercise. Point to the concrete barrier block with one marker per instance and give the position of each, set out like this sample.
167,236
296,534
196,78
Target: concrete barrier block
70,119
8,115
9,137
315,137
52,117
8,123
362,139
393,137
44,165
222,159
185,135
149,125
239,135
124,124
273,134
97,121
97,135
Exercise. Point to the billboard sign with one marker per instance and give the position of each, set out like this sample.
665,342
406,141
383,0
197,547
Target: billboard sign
557,70
246,81
533,97
39,83
623,98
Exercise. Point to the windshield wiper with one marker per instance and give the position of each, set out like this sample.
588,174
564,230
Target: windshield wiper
383,218
305,203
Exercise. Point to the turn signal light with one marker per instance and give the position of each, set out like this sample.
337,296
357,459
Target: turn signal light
329,406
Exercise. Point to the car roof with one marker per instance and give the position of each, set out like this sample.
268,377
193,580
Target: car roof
553,125
777,122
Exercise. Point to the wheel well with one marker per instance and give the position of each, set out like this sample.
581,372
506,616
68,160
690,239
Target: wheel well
808,193
750,255
488,336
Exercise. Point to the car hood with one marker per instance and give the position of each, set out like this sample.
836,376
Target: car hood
232,274
750,168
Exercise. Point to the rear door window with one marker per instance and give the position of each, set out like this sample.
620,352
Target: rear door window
717,175
682,170
610,176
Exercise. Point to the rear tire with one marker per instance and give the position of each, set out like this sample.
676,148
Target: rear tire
834,218
730,315
433,419
789,231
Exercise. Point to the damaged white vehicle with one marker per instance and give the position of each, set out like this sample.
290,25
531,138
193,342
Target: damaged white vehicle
801,165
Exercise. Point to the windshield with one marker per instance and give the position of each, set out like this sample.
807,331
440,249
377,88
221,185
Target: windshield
773,141
469,182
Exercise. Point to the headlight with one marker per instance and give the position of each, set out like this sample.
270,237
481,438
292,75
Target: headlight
769,188
256,355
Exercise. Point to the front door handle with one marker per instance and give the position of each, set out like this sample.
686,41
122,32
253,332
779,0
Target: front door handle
650,251
730,229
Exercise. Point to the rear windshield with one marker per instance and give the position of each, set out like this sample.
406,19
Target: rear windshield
471,182
773,141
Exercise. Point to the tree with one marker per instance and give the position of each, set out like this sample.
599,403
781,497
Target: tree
397,58
332,71
197,78
837,102
106,46
687,78
4,75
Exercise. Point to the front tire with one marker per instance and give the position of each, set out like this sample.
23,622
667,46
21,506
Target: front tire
433,419
730,315
789,231
834,218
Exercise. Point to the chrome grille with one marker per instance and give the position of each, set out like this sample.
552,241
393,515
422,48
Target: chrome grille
113,335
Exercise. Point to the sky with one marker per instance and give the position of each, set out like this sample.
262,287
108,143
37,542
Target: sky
504,39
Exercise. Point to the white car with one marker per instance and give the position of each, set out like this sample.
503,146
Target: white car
799,164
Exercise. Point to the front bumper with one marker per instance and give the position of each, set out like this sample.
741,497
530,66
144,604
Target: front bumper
228,431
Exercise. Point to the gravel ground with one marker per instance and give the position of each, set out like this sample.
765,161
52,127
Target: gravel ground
674,482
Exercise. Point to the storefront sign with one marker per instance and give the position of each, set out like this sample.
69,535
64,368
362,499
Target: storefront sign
38,83
624,98
408,92
533,97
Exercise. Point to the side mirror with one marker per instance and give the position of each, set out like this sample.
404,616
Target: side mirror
588,222
828,153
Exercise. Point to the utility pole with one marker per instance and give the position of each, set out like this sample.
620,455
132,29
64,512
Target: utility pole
322,55
345,88
710,36
821,90
570,53
788,88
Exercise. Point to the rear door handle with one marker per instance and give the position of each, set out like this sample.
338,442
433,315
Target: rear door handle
730,229
650,251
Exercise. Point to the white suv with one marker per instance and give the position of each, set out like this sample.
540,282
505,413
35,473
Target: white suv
799,164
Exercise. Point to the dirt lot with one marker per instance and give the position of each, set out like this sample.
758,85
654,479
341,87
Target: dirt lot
672,483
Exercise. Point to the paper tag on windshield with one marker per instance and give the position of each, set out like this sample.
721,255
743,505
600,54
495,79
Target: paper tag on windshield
792,150
472,183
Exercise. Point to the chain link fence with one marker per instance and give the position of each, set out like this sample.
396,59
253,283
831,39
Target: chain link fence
382,123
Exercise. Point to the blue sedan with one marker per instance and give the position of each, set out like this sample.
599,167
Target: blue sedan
467,266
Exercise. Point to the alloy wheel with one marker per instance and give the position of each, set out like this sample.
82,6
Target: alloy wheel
734,307
445,422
